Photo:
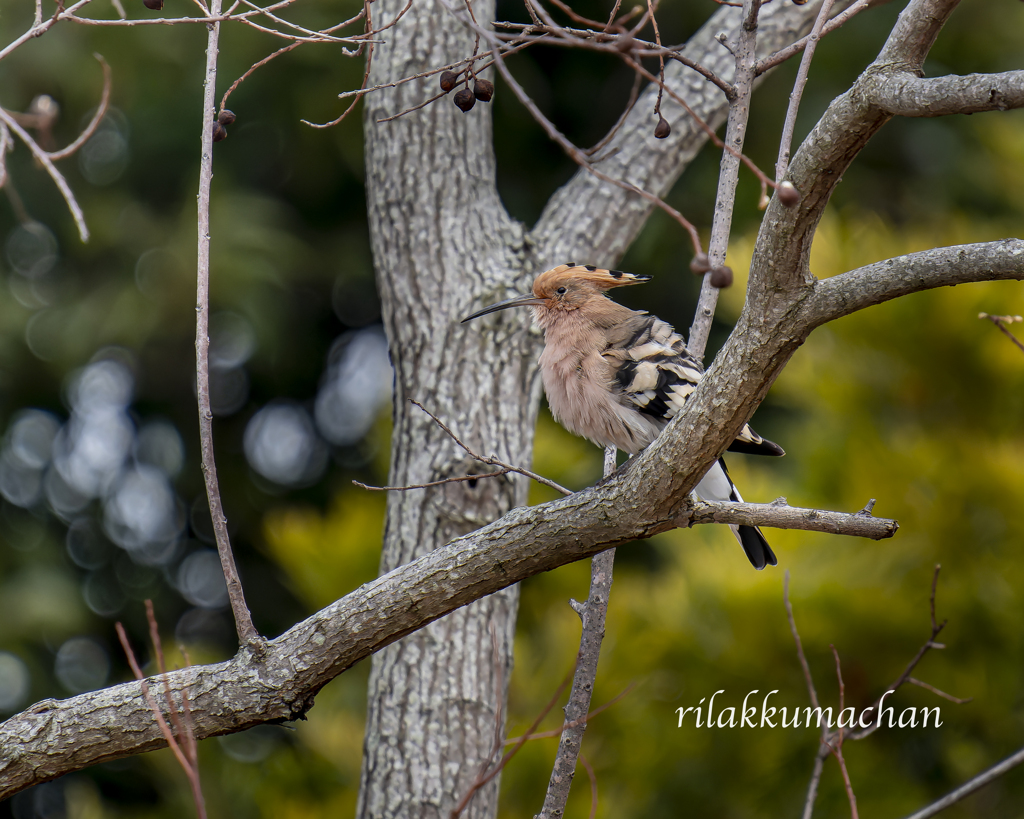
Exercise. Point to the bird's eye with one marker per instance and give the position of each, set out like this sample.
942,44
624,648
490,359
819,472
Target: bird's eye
561,291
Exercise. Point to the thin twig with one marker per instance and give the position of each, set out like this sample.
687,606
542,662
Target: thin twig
40,26
617,44
580,157
557,732
725,201
482,777
593,614
940,692
154,637
247,635
593,785
187,757
258,64
497,768
971,786
58,178
97,118
496,474
6,142
491,460
792,50
701,123
799,644
634,95
819,758
1001,322
928,646
837,749
786,141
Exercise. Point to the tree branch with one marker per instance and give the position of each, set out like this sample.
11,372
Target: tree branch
44,742
588,218
883,281
592,615
780,515
247,635
970,786
908,95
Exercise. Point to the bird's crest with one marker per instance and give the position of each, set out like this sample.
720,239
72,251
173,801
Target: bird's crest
547,283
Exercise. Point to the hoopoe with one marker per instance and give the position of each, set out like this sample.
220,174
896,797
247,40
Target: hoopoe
617,376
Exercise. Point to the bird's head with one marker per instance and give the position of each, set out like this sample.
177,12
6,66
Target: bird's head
566,287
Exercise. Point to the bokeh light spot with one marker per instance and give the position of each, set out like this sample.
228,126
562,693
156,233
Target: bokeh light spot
82,665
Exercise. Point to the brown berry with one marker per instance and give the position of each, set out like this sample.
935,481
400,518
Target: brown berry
483,90
219,132
226,117
700,264
155,5
662,129
788,194
464,99
449,79
721,276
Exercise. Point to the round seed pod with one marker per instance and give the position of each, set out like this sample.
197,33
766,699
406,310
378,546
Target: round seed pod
483,90
464,99
154,5
226,117
449,79
721,276
788,194
662,129
219,132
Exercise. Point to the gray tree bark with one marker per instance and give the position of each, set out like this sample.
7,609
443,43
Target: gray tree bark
437,226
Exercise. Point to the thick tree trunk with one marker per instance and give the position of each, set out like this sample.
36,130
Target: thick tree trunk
439,230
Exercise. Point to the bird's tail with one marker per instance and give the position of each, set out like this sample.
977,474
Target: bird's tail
758,552
718,486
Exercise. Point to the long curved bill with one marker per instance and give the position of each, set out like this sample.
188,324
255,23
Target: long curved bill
515,301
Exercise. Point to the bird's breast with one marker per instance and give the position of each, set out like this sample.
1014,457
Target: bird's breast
583,398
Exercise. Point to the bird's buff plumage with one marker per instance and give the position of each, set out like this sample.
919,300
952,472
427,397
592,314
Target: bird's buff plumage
617,376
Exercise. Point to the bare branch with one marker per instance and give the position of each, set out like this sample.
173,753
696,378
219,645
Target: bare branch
837,749
784,54
442,482
44,159
97,118
728,176
939,692
998,321
939,267
252,68
491,460
592,614
971,786
576,154
819,758
799,644
908,95
780,515
247,635
40,26
786,141
905,676
6,143
483,779
188,765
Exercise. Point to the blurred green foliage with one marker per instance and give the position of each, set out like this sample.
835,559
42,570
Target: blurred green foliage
916,403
